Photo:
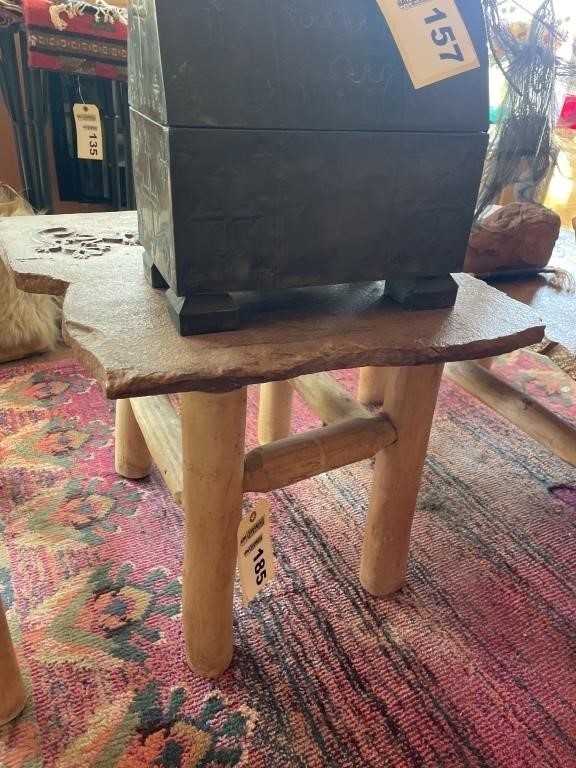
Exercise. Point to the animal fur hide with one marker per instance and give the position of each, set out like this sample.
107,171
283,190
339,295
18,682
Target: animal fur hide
29,322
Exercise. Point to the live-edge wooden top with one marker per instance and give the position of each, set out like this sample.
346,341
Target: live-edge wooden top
120,330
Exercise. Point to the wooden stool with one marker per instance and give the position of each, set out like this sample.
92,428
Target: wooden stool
119,328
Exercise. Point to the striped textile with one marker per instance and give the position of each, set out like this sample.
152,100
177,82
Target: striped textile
82,38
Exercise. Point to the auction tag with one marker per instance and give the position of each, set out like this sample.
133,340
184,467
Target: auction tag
88,132
255,558
432,39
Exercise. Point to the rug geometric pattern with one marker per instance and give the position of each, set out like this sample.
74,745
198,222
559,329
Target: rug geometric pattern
472,663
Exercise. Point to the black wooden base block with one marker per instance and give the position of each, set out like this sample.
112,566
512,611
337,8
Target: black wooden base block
423,292
203,312
152,273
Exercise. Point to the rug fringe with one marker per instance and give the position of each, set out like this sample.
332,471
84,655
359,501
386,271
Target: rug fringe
103,12
563,280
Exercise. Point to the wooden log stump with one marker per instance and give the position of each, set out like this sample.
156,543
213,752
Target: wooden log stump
275,411
132,458
213,429
409,401
12,692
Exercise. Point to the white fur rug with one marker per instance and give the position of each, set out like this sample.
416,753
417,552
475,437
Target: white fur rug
29,322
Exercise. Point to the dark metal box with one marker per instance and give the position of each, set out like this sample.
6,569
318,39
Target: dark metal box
282,144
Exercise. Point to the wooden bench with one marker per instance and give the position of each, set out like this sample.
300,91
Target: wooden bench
555,301
556,304
118,327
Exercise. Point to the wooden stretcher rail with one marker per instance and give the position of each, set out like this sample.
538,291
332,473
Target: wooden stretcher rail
549,430
300,457
160,426
327,399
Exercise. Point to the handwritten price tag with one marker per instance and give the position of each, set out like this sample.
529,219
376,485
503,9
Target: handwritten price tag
432,39
88,132
255,558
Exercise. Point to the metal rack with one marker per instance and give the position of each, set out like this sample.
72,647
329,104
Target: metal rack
38,99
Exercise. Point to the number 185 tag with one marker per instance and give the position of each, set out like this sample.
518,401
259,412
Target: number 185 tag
255,559
432,39
88,132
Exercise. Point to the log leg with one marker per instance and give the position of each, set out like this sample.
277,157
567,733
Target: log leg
371,385
213,428
486,362
132,457
12,692
409,402
275,411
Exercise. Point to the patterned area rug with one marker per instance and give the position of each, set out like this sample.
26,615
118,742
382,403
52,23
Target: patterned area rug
471,664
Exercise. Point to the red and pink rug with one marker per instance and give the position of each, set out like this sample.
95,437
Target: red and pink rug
472,664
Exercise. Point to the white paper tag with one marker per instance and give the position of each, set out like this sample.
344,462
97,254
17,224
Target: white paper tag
88,132
432,39
255,558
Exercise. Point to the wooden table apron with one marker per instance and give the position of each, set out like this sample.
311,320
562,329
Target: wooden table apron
118,327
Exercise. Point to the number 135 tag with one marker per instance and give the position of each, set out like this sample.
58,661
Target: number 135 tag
255,559
88,132
432,39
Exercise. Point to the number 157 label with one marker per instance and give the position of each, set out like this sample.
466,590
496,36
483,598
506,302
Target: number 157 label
432,39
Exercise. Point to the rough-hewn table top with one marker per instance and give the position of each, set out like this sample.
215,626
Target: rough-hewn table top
119,327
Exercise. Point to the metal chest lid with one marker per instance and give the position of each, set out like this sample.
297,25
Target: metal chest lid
293,65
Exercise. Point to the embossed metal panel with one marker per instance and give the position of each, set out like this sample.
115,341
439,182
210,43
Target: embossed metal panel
230,210
296,64
282,144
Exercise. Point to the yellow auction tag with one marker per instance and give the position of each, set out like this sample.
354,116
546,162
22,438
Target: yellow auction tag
432,39
88,132
255,558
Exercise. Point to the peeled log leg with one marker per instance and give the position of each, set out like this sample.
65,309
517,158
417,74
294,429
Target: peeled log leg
275,411
132,457
371,385
409,402
213,468
12,693
486,362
